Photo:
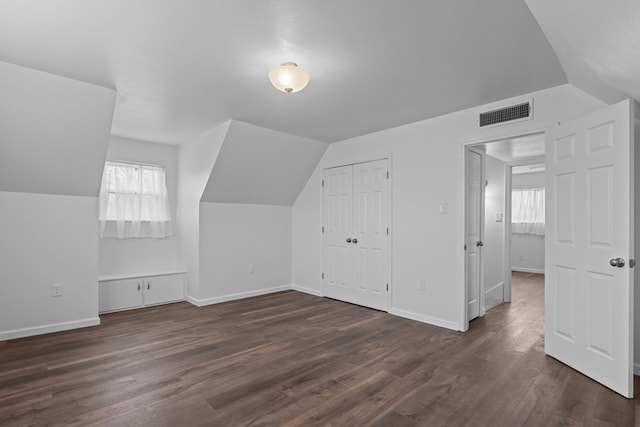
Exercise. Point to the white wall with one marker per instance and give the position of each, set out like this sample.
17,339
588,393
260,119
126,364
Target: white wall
234,237
54,133
47,239
427,170
144,256
493,249
195,163
527,250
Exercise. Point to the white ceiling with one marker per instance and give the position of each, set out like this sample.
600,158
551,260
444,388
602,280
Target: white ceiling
181,67
597,42
250,167
521,149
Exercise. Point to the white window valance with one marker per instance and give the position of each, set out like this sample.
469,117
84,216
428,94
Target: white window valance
527,211
133,201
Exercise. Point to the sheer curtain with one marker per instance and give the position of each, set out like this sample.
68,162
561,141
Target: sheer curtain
134,202
527,211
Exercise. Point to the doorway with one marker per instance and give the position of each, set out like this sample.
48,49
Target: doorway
490,249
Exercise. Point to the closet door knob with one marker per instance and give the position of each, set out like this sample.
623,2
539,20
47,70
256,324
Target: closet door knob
355,240
348,239
617,262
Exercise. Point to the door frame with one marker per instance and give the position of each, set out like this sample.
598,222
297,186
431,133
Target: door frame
351,162
464,146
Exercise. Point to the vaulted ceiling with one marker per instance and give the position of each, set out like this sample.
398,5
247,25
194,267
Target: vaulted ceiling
182,67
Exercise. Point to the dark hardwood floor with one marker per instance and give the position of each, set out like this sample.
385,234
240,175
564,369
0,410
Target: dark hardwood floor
297,360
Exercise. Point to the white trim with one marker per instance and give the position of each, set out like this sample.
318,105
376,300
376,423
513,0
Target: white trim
232,297
527,270
435,321
47,329
108,278
493,288
636,369
306,290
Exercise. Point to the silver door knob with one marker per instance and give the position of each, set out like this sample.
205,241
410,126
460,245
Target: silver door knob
348,239
355,240
616,262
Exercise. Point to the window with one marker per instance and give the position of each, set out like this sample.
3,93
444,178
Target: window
527,211
133,201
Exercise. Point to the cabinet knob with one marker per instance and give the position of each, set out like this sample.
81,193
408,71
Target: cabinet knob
148,285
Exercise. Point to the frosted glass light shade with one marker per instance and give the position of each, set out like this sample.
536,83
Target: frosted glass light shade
288,77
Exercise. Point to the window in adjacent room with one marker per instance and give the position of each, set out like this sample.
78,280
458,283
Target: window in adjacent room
527,211
133,201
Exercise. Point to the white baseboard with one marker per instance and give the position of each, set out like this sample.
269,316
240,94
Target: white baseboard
527,270
425,319
47,329
306,290
636,369
232,297
495,288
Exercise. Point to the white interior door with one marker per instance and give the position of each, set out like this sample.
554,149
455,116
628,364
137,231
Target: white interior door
473,231
338,220
588,289
357,251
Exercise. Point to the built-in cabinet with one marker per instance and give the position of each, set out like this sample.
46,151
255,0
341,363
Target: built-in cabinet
124,293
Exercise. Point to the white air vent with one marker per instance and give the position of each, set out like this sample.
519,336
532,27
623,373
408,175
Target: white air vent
514,113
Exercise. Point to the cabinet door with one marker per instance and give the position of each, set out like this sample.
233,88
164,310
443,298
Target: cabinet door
119,294
162,289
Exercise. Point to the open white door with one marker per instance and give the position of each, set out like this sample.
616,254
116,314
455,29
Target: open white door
589,232
474,219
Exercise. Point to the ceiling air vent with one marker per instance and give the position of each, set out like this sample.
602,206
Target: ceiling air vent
505,115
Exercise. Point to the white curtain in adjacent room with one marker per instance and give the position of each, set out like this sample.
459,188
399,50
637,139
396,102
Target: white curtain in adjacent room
527,211
134,202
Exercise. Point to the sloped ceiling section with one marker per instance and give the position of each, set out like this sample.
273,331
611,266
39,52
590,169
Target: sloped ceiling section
261,166
55,132
597,43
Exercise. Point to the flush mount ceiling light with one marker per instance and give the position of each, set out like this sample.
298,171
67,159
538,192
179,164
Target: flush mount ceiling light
288,77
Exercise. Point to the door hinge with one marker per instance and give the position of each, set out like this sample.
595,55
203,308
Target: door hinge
387,231
387,287
387,174
323,228
632,263
323,275
323,182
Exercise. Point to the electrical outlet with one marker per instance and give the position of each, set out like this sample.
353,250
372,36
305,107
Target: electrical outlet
422,285
443,208
56,290
252,268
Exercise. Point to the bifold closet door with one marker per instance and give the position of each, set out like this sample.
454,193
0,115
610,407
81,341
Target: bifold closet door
357,256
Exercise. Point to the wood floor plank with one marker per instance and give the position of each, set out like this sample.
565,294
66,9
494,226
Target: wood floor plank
295,359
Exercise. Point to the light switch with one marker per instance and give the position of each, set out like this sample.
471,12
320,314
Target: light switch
443,208
498,216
